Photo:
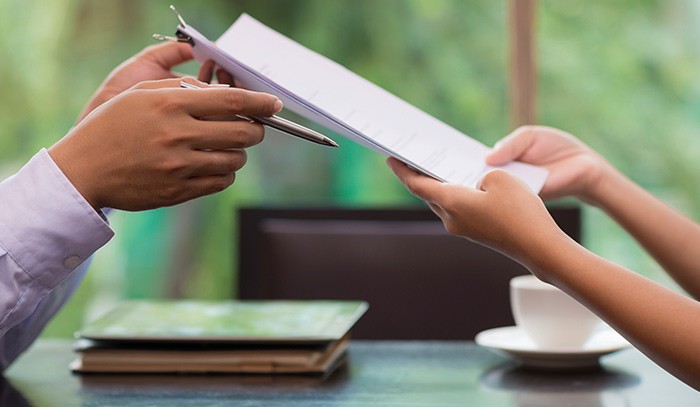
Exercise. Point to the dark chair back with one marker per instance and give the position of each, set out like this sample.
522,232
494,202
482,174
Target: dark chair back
420,281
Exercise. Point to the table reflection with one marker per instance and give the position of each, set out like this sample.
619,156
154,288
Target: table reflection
238,385
601,386
415,373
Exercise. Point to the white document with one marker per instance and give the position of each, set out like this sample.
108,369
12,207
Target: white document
325,92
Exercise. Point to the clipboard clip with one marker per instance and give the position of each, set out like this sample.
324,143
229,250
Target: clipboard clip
179,35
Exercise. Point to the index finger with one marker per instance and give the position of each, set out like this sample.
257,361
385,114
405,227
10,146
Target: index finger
219,101
211,100
513,146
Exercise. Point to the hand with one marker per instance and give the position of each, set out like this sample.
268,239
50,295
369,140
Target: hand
206,74
575,169
149,147
153,63
502,213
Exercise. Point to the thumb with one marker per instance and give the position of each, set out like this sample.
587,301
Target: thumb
513,146
495,179
169,54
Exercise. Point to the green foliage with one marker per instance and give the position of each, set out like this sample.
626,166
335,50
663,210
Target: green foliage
620,75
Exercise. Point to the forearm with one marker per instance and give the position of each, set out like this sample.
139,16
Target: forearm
671,238
33,315
46,231
658,321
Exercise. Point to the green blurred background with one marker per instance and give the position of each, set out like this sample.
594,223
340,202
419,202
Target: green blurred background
620,75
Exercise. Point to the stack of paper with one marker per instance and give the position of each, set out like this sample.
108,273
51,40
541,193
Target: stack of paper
230,337
327,93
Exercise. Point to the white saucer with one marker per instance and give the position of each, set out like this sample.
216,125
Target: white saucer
513,342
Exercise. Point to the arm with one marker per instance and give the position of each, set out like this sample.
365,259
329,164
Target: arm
668,236
506,216
181,158
148,147
46,231
133,149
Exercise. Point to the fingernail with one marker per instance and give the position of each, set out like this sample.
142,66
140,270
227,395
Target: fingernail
278,106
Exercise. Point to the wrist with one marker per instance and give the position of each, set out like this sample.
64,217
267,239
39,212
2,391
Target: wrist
597,181
539,243
608,184
551,257
73,173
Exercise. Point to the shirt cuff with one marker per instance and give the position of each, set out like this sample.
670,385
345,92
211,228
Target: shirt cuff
45,224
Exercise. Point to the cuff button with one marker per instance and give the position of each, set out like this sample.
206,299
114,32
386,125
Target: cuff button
72,262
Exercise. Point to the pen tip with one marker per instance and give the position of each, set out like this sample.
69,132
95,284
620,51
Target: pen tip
331,142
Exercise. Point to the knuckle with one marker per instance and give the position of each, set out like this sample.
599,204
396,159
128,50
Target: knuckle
252,134
163,103
236,160
222,182
248,134
267,104
235,99
169,104
166,136
173,165
170,194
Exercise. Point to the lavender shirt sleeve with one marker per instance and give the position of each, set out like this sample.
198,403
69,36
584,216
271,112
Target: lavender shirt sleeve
47,232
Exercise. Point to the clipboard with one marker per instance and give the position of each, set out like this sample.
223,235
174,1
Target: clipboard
329,94
203,50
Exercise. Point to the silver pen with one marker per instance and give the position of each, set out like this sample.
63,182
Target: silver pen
281,124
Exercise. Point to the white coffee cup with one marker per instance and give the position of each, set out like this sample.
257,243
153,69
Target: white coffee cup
549,316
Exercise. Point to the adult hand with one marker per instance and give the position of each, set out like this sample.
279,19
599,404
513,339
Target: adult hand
501,213
575,169
150,147
207,70
153,63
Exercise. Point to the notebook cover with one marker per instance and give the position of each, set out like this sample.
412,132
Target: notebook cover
258,322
